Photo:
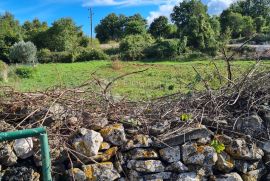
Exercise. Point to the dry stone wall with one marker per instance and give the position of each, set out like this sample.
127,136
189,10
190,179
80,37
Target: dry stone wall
113,153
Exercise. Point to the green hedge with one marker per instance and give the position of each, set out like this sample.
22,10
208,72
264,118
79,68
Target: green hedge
91,54
82,54
46,56
133,47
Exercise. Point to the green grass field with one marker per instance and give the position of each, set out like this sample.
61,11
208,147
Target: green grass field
160,79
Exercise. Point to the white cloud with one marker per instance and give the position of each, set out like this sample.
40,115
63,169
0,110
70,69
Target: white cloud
217,6
163,10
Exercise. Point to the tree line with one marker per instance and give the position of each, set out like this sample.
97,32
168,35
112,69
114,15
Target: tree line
190,20
191,29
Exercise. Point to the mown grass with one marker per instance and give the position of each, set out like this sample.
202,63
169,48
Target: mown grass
162,78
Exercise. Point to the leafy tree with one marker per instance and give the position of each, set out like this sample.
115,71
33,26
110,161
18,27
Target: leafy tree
192,20
135,24
159,27
10,33
64,35
215,24
132,47
111,28
35,32
23,52
253,8
260,23
248,28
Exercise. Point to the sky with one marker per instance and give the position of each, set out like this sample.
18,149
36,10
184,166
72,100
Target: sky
51,10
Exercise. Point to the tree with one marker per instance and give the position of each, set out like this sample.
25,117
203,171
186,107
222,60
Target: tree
35,32
253,8
260,23
135,24
233,21
215,24
64,35
160,27
23,52
111,28
10,33
192,20
248,28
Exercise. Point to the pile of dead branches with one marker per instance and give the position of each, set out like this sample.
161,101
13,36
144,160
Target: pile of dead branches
217,109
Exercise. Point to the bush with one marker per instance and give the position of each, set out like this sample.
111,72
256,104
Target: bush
91,54
132,47
23,52
24,72
165,48
46,56
3,71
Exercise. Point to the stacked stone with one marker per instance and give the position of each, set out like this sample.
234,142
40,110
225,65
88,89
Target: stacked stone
144,158
116,152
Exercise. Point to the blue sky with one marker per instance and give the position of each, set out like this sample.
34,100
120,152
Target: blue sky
50,10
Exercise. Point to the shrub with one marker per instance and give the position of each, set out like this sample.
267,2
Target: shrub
24,72
3,71
23,52
91,54
165,48
132,47
46,56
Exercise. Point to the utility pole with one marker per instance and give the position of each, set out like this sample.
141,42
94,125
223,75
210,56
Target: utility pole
91,24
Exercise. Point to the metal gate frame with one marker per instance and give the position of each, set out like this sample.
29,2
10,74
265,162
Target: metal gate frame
41,133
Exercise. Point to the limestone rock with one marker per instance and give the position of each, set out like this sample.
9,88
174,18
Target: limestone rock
240,150
251,125
224,163
244,166
265,146
254,175
7,156
199,155
140,153
138,141
107,155
147,166
229,177
20,173
114,134
158,176
159,127
182,136
89,143
78,174
177,167
97,124
23,147
226,140
170,154
100,171
104,146
188,176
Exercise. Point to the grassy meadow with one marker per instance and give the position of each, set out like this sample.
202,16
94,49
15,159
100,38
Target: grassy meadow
162,78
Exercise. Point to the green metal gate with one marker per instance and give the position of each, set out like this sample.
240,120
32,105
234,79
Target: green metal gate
43,137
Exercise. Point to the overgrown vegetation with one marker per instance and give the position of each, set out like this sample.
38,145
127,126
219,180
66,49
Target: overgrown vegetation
192,31
160,79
